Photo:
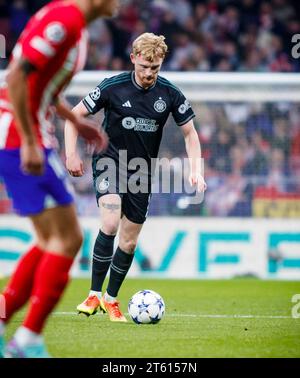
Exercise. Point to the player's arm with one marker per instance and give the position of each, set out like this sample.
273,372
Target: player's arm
91,104
87,129
32,158
74,163
193,149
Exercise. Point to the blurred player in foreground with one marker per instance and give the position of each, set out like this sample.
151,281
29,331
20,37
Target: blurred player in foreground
51,49
137,105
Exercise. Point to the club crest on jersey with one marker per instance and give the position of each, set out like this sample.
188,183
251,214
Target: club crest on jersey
55,32
160,105
95,94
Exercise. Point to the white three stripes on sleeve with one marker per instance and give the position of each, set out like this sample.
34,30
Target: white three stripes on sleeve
42,46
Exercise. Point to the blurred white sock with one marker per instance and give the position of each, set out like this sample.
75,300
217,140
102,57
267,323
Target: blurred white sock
109,299
25,336
97,293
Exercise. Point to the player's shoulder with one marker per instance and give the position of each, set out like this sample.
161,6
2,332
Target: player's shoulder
60,14
119,79
162,81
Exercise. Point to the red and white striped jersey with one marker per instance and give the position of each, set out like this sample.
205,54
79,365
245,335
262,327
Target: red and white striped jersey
55,43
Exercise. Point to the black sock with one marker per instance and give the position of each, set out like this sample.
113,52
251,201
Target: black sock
120,265
102,256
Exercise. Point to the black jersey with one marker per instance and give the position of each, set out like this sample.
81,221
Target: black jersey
134,116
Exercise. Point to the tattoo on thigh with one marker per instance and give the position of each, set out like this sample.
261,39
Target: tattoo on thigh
111,206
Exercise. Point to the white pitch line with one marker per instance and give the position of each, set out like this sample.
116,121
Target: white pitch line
234,316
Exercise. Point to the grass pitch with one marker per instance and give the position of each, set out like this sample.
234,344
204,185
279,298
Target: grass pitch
204,318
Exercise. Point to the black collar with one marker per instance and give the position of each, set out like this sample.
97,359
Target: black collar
139,86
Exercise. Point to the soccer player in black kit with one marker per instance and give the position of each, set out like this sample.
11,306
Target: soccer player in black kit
137,105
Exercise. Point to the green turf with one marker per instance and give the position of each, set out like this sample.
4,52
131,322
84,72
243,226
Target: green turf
187,330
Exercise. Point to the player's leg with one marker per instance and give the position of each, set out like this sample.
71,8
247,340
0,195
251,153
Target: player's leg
110,214
30,195
20,187
59,236
121,262
18,289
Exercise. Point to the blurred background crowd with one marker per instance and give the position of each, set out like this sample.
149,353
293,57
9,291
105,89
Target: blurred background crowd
218,35
251,150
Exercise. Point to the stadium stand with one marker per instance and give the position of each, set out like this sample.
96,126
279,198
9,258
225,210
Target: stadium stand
251,150
247,35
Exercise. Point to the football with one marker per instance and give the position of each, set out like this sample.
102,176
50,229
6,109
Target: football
146,307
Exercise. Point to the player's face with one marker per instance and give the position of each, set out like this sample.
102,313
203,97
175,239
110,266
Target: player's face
106,8
146,72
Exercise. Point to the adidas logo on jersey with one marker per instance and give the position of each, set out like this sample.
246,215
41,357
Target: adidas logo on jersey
127,104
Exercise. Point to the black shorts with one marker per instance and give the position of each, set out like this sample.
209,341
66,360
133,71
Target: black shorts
135,204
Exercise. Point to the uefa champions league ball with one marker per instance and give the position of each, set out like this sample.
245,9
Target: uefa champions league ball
146,307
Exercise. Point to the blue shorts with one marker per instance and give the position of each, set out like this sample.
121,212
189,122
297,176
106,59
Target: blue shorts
33,194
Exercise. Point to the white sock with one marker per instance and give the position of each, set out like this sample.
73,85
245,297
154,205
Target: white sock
24,336
2,327
97,293
109,298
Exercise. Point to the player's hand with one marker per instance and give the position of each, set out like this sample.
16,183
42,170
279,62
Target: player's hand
74,165
196,179
32,159
87,129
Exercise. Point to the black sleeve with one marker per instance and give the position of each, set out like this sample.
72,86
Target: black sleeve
181,108
96,99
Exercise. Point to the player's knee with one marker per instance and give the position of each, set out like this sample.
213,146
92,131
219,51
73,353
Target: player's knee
128,245
67,244
110,227
72,243
77,242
